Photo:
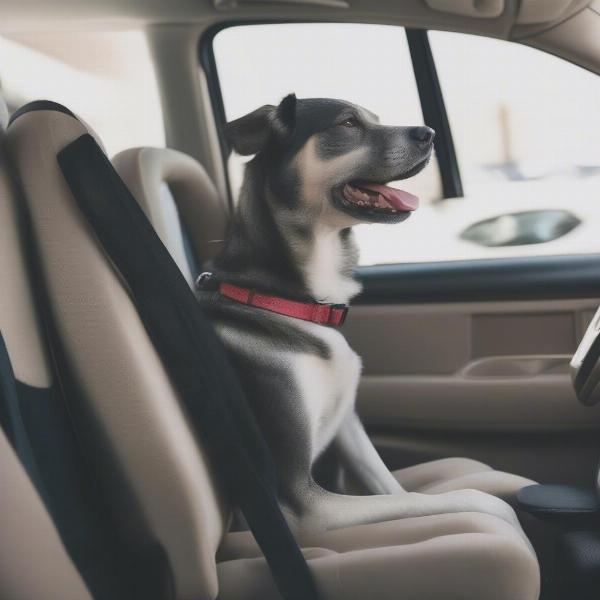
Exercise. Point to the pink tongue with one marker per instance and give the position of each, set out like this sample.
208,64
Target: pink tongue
398,199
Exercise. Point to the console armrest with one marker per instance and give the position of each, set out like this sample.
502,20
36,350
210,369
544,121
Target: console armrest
561,504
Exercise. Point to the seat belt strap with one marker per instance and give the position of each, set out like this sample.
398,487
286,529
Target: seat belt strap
193,355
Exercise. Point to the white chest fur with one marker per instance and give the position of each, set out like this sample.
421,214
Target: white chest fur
323,269
327,386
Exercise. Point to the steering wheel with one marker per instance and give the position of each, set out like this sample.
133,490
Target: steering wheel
585,365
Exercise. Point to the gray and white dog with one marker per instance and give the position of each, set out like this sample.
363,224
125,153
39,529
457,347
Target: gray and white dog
320,167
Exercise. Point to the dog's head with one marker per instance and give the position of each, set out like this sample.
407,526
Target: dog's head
332,159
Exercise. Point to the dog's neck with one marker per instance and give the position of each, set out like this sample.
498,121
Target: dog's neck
329,265
278,252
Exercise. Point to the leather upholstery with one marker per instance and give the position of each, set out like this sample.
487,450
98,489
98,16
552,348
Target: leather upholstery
18,319
449,474
451,557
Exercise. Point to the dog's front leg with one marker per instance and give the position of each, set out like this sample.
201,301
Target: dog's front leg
361,460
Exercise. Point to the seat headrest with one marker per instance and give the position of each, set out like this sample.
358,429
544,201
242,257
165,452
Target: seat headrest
50,106
180,200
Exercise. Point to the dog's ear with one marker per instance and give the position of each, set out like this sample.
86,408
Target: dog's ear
249,134
285,116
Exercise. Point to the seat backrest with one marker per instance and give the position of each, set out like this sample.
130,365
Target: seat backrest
180,201
161,479
33,560
19,323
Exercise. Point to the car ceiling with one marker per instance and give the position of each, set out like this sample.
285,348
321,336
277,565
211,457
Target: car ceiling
570,28
498,16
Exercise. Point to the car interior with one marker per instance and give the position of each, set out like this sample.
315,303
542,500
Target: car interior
478,373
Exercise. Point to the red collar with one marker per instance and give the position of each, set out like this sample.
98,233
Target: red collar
324,314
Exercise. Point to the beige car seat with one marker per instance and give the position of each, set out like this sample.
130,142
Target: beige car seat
161,479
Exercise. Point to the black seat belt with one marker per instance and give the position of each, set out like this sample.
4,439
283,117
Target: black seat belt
193,356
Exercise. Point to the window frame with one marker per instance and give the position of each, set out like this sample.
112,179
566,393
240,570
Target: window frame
428,87
434,110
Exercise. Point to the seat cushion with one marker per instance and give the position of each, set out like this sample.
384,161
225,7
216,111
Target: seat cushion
454,556
447,474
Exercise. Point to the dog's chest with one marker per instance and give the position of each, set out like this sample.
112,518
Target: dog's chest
327,385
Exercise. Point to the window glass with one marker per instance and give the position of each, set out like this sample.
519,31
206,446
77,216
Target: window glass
106,78
366,64
526,129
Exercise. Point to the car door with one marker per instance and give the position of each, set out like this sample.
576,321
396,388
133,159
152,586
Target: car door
471,358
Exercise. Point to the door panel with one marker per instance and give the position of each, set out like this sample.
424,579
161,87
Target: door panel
486,379
569,458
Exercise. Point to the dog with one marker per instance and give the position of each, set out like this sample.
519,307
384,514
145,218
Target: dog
320,166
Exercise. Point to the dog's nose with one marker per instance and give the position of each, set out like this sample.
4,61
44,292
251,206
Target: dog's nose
423,135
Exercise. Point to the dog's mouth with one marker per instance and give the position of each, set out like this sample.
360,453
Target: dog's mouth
370,201
379,198
375,202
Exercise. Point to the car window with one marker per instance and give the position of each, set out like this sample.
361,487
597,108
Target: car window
107,78
260,64
526,130
525,124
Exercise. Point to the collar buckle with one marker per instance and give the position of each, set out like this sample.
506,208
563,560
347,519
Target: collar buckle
343,312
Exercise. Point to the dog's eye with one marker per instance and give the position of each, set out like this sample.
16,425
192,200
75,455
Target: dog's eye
350,122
